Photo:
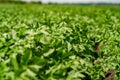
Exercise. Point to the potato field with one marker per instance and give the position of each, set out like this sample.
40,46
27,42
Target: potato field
59,42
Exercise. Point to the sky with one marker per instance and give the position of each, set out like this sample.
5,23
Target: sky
77,1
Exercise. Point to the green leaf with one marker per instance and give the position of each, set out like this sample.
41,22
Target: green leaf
14,62
50,51
26,56
69,46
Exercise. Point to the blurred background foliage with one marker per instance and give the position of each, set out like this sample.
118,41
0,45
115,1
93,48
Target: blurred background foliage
19,2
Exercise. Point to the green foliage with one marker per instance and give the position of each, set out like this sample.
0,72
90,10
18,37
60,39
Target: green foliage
56,42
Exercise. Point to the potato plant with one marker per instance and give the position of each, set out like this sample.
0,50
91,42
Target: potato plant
59,42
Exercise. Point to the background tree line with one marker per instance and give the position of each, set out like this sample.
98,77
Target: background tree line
19,1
